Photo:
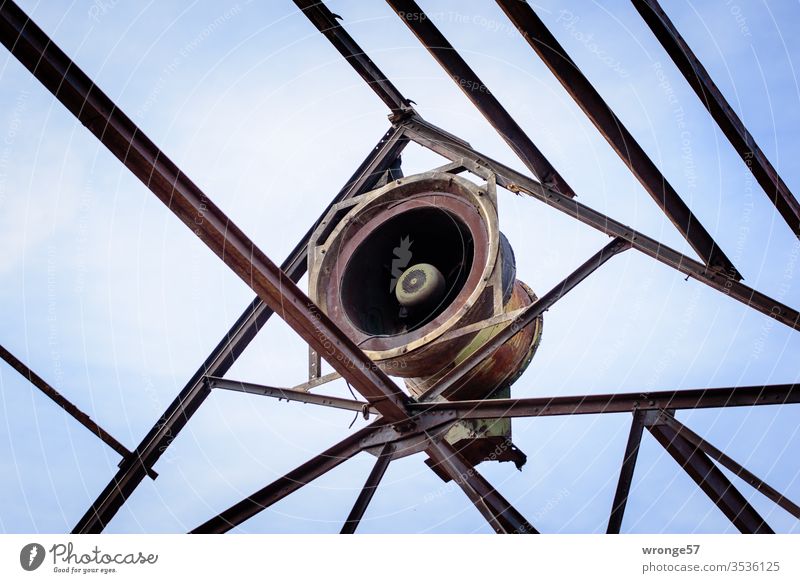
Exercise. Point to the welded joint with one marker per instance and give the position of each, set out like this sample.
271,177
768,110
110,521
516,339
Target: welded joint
406,112
656,417
416,427
620,245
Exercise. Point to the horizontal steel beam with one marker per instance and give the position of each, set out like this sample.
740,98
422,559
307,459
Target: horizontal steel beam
626,473
326,23
614,402
467,80
732,465
744,396
624,144
498,512
66,404
450,383
368,491
711,480
734,129
442,143
291,395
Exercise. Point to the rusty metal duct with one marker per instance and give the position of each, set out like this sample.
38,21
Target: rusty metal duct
419,276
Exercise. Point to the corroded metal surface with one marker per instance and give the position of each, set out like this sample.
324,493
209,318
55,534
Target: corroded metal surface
352,268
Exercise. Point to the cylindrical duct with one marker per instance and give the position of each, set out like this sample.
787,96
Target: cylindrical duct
418,275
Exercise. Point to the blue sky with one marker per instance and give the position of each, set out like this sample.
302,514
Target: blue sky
108,297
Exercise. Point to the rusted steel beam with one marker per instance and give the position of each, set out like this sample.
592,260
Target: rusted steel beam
732,465
469,82
291,395
285,485
441,142
76,91
326,23
711,480
119,134
449,385
255,316
368,491
575,405
65,404
626,473
614,402
624,144
734,129
498,512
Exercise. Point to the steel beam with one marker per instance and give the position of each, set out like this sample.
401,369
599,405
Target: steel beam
291,395
65,404
368,491
326,23
316,382
742,141
711,480
626,473
731,464
82,98
255,316
468,81
34,49
498,512
624,144
449,384
441,142
614,402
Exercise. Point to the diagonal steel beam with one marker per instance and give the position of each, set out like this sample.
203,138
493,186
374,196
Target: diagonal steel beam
449,384
76,91
184,198
731,464
711,480
613,402
65,404
468,81
436,139
626,473
255,316
498,512
326,23
368,491
624,144
734,129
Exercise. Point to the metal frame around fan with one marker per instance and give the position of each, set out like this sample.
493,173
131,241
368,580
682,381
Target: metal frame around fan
404,425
